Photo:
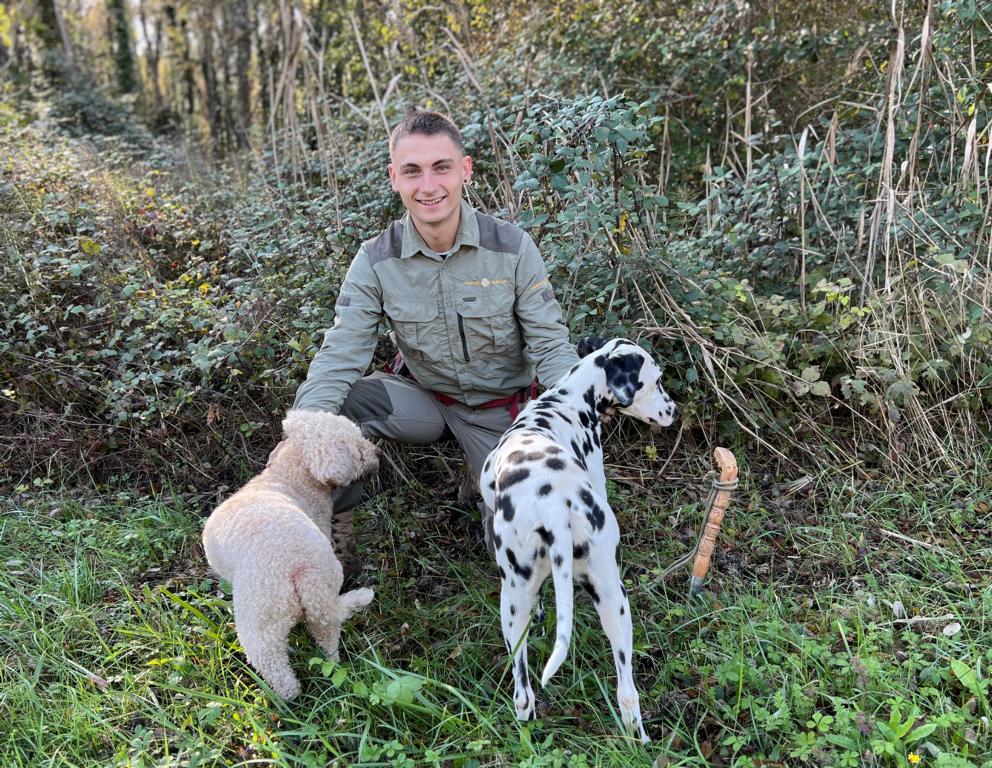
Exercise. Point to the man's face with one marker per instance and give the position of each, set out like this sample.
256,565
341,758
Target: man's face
428,172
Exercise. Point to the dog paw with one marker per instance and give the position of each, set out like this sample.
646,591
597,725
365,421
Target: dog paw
287,690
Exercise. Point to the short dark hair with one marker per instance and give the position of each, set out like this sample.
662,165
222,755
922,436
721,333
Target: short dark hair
426,124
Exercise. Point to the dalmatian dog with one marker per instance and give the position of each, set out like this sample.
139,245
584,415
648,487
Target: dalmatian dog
546,484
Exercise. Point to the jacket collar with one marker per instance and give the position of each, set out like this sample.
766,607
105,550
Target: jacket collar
468,234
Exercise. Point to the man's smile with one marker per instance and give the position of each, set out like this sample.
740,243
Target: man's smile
432,201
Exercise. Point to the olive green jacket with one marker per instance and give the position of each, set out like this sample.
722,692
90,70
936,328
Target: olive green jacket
476,325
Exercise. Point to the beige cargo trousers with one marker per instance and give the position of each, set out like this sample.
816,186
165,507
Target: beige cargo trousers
396,407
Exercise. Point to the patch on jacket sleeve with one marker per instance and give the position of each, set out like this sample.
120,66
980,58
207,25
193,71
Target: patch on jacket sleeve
548,294
344,301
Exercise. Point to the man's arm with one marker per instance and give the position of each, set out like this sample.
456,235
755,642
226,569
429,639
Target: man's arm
348,345
546,341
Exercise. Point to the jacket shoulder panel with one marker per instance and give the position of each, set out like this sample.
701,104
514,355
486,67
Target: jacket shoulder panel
387,245
499,236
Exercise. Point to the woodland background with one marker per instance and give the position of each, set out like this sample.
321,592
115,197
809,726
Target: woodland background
788,202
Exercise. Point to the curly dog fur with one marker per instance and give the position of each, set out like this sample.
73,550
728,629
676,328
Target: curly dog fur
272,541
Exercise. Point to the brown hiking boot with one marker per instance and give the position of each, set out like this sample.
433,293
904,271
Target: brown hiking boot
344,543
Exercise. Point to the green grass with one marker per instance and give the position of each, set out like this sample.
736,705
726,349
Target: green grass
822,642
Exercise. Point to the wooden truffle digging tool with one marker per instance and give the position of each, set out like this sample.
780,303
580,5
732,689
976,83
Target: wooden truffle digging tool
716,506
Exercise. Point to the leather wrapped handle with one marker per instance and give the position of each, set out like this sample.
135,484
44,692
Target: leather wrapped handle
727,464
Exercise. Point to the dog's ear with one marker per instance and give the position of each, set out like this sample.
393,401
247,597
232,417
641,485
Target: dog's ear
623,374
332,448
589,344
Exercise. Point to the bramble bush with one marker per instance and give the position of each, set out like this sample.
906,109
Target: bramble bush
829,304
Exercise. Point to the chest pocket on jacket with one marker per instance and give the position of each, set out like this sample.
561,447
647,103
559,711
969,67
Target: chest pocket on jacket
414,320
488,324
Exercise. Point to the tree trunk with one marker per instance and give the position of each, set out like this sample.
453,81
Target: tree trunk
121,44
153,48
242,44
183,63
211,96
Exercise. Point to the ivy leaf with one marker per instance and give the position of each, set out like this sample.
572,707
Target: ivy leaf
401,690
88,246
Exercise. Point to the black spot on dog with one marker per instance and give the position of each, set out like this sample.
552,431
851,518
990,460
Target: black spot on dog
579,551
600,361
542,422
497,541
523,571
558,561
522,673
589,344
568,503
617,555
515,457
586,497
512,477
542,552
556,464
623,376
622,610
563,392
526,441
505,506
553,450
492,485
546,536
513,610
588,587
596,517
544,490
577,450
502,573
623,657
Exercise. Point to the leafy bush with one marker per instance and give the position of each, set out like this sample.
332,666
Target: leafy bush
164,313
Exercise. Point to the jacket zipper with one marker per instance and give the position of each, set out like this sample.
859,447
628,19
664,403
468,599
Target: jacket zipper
461,332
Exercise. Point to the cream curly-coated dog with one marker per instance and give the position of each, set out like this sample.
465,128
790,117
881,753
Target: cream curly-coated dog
272,541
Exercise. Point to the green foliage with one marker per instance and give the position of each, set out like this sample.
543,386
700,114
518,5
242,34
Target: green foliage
165,313
119,651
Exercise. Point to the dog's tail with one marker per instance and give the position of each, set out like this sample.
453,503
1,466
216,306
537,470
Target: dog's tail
353,601
313,589
561,574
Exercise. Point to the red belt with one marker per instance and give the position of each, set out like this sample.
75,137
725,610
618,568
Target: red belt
514,401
